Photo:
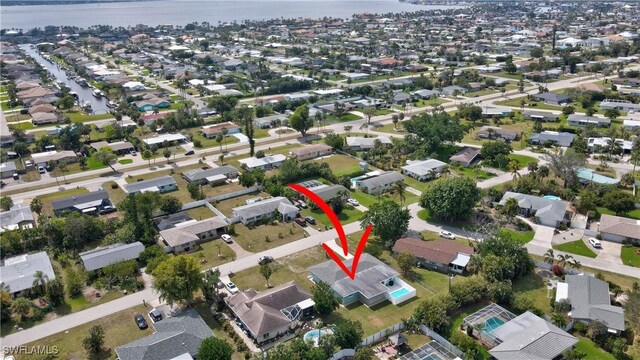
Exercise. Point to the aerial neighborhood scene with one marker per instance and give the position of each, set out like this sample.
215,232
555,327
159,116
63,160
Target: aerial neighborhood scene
416,180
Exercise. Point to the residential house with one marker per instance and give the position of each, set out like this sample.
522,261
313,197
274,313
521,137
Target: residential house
530,337
7,169
602,144
161,184
587,176
619,229
151,104
493,132
466,156
622,105
423,169
271,121
584,120
186,236
104,256
442,255
379,183
425,94
92,203
363,144
43,158
19,216
563,139
18,272
495,112
43,118
177,337
133,86
265,209
330,192
631,82
546,212
212,131
6,137
211,176
374,282
271,313
453,89
267,162
552,98
590,301
537,115
163,139
119,147
631,124
311,151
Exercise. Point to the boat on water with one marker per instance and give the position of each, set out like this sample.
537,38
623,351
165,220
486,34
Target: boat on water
97,93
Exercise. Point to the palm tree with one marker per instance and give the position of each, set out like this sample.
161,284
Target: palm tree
564,259
36,206
543,171
221,159
559,320
510,207
4,287
39,282
395,120
513,167
21,306
63,169
399,189
445,171
549,257
575,264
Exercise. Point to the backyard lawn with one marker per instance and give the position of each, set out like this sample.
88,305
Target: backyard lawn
119,329
629,255
522,160
577,247
199,213
226,206
48,198
266,237
348,215
534,287
592,350
342,165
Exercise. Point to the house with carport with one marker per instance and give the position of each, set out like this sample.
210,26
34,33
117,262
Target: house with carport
424,169
441,255
17,273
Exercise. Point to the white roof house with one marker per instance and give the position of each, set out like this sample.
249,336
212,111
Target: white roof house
266,162
265,208
133,85
112,254
17,272
161,138
423,169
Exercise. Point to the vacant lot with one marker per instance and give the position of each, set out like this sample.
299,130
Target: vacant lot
266,237
226,206
342,165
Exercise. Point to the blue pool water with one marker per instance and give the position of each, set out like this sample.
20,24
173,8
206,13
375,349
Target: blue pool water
551,197
314,335
399,292
492,324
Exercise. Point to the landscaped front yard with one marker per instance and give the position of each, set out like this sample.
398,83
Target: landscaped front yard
522,237
629,255
577,247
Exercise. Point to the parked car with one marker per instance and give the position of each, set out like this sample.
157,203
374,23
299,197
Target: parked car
16,176
108,209
231,287
310,220
447,235
300,221
265,259
227,238
133,153
190,152
41,170
302,204
141,322
155,315
595,243
353,202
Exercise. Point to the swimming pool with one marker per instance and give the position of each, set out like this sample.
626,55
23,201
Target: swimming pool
399,292
492,324
551,197
314,335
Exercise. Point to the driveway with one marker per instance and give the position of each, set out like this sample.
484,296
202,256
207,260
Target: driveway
242,137
543,236
240,252
610,252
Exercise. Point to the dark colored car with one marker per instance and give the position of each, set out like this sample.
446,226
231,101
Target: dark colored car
310,220
141,322
300,221
265,259
155,315
190,152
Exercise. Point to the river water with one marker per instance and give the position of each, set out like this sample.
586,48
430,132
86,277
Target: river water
181,12
98,105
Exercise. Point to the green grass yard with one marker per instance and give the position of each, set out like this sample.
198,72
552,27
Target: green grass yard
629,255
213,253
577,247
349,214
342,165
125,161
522,237
266,237
48,198
344,118
592,351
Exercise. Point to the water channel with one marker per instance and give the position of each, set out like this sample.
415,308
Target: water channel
98,105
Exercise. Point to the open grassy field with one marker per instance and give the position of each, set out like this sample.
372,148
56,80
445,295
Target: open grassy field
48,198
577,247
119,329
629,256
342,165
226,206
344,118
266,237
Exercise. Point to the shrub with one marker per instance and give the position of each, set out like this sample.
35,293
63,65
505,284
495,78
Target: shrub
114,186
580,328
557,270
197,143
562,306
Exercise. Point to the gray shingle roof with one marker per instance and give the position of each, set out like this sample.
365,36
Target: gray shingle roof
262,312
17,214
529,337
620,226
78,200
8,167
188,232
541,207
589,299
330,192
560,138
549,96
17,272
141,185
199,174
370,273
105,256
588,119
174,336
382,180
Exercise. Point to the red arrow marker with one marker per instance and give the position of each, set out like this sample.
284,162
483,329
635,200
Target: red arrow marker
338,226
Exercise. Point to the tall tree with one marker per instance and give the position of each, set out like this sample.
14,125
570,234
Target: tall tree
95,340
325,299
348,334
266,270
452,198
6,203
389,220
177,278
106,157
40,282
213,348
565,165
300,119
